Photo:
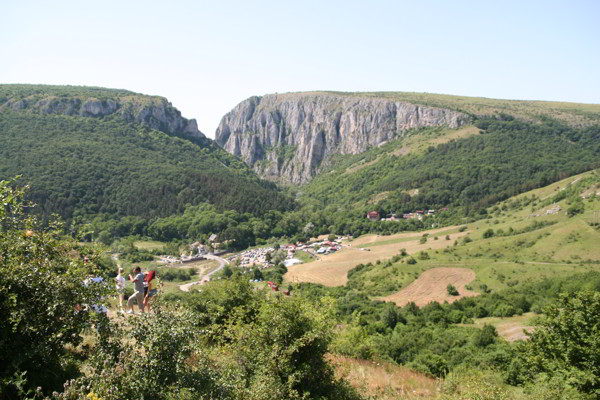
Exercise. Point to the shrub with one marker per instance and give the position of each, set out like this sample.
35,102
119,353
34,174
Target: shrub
567,345
452,291
42,299
486,336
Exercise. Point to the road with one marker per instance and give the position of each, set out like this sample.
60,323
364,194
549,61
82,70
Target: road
222,262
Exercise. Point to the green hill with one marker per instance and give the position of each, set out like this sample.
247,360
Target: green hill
545,233
471,167
86,150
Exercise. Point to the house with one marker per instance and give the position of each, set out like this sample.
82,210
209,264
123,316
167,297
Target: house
373,215
212,237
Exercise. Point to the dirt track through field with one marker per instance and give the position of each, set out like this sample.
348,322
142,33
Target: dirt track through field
332,270
432,286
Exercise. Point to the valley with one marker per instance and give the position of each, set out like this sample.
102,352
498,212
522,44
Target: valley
464,222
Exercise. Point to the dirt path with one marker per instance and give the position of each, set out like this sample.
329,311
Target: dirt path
222,262
432,286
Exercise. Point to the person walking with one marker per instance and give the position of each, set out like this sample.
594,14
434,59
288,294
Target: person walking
138,291
121,287
148,291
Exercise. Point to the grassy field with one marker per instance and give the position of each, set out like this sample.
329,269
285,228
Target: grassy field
526,244
149,245
304,256
203,267
403,237
510,328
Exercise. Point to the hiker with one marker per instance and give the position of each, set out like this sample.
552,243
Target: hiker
138,291
121,287
148,291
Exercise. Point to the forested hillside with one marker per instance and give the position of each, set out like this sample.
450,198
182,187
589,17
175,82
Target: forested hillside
89,150
504,157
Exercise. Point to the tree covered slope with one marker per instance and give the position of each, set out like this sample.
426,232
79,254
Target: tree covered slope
92,150
499,157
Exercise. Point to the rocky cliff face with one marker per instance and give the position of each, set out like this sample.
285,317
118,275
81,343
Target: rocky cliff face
153,112
289,137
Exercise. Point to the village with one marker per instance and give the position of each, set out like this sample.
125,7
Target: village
266,257
419,214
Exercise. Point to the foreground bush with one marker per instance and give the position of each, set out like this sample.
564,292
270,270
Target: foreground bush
42,300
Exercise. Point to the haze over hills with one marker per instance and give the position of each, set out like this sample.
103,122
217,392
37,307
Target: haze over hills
292,137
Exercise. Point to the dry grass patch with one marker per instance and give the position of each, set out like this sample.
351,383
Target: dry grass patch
379,197
383,380
332,270
454,134
360,166
432,286
510,328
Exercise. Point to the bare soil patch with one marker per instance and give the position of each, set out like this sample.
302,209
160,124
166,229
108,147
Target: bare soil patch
432,286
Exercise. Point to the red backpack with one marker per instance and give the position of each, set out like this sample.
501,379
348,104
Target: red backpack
151,275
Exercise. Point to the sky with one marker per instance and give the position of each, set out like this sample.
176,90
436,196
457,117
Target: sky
207,56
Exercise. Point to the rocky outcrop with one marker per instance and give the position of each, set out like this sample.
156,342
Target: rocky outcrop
289,137
153,112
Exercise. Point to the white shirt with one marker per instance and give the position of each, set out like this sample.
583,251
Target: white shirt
120,282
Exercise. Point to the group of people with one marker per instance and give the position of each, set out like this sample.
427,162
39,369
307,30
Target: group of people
142,289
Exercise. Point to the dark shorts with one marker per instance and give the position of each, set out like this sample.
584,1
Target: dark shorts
145,291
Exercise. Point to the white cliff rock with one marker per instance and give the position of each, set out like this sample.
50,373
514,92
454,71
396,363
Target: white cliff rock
288,137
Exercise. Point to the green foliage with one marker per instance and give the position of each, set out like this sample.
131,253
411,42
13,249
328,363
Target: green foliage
153,360
510,157
354,341
452,291
474,384
177,274
486,336
282,350
576,208
79,166
488,233
568,341
43,299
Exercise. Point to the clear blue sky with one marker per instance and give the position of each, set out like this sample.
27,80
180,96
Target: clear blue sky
207,56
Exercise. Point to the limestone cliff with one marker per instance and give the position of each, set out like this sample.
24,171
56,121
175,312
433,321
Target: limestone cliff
151,111
288,137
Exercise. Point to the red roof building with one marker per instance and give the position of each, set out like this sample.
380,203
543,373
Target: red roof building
373,215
